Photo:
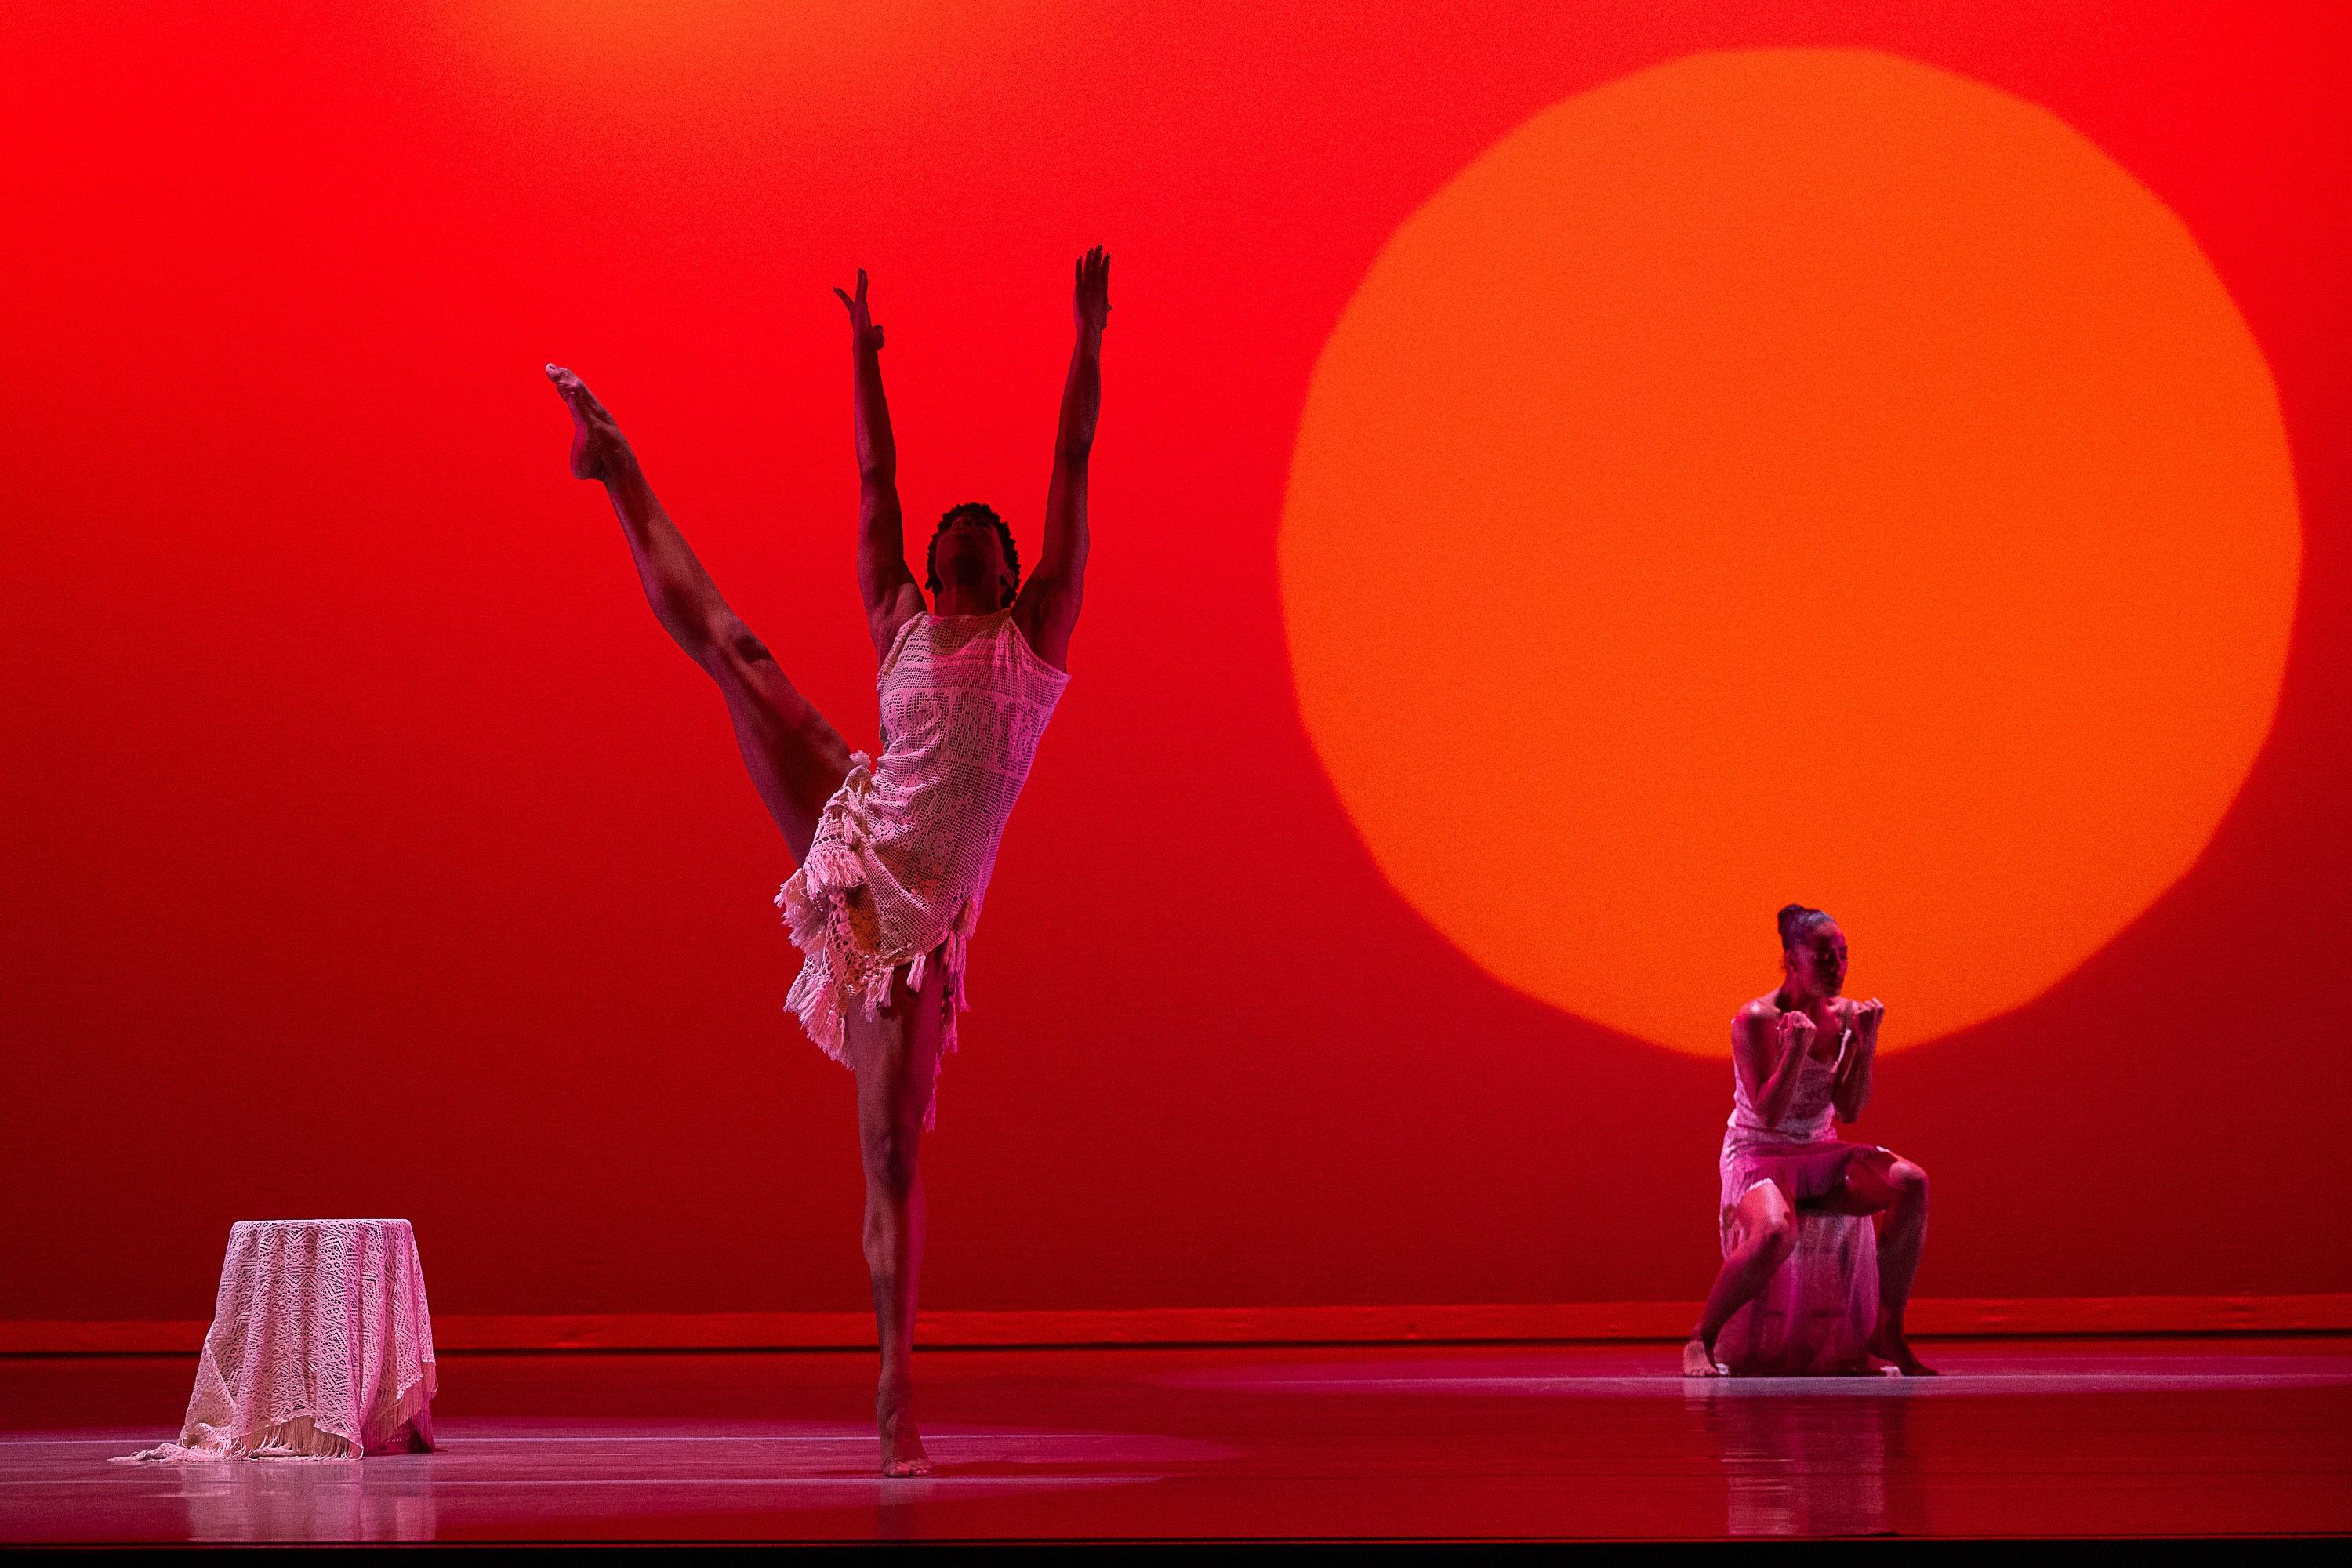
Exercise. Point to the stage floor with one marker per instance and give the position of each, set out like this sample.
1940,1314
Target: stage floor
2084,1437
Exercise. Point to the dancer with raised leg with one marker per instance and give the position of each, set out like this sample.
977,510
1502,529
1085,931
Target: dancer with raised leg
895,855
1801,1061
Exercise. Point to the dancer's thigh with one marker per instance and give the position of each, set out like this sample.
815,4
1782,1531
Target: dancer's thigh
795,757
1876,1180
1762,1207
896,1056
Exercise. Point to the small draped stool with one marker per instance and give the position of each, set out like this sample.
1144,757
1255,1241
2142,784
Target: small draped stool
320,1346
1815,1315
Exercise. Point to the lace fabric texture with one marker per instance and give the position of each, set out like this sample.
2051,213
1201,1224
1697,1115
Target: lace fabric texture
320,1346
903,852
1812,1115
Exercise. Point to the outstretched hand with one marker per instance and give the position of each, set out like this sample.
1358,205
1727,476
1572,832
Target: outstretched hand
1091,300
862,333
598,444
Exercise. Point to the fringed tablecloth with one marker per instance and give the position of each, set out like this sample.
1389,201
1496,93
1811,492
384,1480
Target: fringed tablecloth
320,1346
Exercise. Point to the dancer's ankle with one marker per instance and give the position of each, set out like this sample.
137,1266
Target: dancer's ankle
617,469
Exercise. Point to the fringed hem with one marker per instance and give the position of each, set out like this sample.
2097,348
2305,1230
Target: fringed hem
406,1427
296,1437
822,1003
839,968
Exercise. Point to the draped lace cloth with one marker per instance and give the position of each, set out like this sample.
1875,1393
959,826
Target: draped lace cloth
902,854
320,1346
1816,1313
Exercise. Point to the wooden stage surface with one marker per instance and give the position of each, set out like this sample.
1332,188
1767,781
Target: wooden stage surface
2080,1437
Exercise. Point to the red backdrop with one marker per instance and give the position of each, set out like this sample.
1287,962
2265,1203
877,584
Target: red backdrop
371,851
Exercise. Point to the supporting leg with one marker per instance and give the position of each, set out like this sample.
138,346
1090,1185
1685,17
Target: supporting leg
896,1056
1768,1234
1897,1190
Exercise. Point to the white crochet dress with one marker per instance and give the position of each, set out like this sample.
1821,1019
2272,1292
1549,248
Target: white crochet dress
903,851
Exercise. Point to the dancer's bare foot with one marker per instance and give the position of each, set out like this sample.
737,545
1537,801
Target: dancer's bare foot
1699,1362
598,444
902,1444
1889,1346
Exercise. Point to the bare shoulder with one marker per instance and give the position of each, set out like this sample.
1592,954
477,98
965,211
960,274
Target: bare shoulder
1754,1020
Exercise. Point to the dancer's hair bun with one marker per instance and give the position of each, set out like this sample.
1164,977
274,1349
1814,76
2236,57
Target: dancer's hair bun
1795,919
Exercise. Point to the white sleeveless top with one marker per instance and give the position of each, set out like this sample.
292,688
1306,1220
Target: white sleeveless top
1812,1115
904,849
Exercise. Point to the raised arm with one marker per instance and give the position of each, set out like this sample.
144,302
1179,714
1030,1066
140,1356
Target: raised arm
1047,610
1850,1092
1769,1053
683,598
890,590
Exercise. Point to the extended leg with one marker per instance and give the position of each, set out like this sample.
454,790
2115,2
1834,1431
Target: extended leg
794,755
796,759
896,1056
1877,1182
1768,1234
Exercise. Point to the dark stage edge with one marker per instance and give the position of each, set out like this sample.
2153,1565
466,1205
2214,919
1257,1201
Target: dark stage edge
2071,1439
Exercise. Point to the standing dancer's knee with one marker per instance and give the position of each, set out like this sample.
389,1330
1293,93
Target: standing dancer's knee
891,1152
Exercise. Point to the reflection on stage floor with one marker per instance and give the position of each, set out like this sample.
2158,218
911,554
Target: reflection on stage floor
2086,1438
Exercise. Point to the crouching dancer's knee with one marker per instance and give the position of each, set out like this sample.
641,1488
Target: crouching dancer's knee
1908,1182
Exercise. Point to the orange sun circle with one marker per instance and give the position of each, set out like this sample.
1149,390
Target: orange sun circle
1788,474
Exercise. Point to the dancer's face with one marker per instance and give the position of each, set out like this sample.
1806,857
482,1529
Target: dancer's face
971,555
1817,961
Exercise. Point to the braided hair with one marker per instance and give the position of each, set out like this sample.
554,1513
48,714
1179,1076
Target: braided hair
984,513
